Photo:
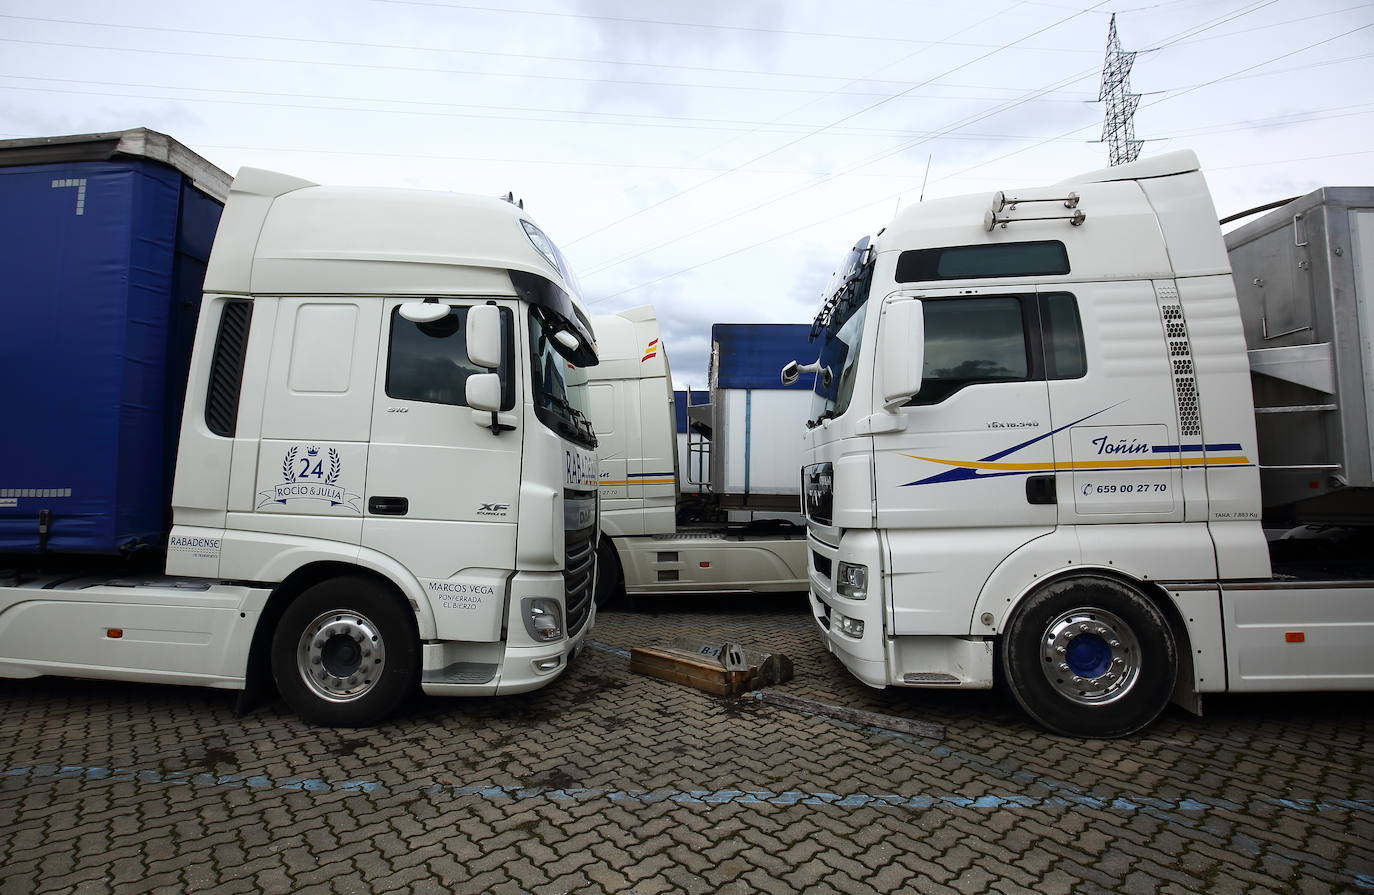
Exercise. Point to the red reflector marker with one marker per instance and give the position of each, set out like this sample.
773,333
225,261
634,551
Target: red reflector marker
704,565
114,633
1295,637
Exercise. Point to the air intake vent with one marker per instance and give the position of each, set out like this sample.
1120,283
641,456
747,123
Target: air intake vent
226,369
1181,356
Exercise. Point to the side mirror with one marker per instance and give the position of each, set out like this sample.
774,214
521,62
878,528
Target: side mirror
901,351
793,370
483,392
484,338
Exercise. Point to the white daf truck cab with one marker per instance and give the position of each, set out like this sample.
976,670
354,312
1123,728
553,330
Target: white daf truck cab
384,479
647,545
1033,456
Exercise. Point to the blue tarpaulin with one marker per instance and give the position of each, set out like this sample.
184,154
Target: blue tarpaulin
102,266
752,355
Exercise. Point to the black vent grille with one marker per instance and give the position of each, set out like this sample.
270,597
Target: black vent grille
226,369
579,567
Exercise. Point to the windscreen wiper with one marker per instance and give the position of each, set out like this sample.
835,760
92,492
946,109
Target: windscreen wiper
576,417
828,415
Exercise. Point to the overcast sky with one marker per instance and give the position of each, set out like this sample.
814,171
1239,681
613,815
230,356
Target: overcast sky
714,158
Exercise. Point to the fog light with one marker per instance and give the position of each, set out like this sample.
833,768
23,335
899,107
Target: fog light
854,627
852,581
545,665
543,618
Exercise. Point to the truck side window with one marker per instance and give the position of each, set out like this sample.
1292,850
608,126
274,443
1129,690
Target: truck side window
1064,354
226,368
429,361
971,341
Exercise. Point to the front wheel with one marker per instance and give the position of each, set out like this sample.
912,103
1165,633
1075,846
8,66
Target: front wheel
345,653
610,583
1090,657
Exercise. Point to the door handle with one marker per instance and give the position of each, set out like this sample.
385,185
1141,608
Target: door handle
1040,489
388,506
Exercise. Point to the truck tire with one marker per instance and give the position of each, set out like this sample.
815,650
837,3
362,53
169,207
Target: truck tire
345,653
1090,657
610,583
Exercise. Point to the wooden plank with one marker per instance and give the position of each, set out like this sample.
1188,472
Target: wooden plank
699,673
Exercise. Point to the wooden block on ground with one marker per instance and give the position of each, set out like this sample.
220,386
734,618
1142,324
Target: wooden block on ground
680,667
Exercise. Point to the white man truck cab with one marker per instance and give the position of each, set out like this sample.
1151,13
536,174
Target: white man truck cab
1033,447
384,479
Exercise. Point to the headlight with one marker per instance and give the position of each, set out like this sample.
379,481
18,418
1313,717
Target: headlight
852,581
543,618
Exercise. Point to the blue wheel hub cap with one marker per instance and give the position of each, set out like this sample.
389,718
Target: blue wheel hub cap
1088,655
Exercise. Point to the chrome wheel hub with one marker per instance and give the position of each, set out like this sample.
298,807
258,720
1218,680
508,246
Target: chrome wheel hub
1090,656
341,656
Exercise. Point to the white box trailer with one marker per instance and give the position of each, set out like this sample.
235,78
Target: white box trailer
653,542
756,422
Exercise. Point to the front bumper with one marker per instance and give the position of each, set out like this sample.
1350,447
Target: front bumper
876,657
515,665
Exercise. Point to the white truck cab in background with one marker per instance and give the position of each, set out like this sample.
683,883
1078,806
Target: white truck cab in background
1034,444
646,546
384,479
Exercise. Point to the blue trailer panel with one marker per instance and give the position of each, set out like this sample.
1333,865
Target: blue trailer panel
752,355
103,264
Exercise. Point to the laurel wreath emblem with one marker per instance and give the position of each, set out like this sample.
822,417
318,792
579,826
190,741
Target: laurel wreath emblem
335,466
288,465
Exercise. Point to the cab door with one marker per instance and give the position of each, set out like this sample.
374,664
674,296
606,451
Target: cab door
442,482
1115,403
969,479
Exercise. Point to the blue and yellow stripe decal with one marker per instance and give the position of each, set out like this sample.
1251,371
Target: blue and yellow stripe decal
993,465
644,478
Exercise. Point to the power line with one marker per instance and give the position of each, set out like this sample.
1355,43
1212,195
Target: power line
1303,20
1188,32
700,25
496,74
838,121
695,123
775,119
163,29
789,193
1258,65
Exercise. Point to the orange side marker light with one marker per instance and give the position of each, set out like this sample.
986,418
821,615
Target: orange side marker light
114,633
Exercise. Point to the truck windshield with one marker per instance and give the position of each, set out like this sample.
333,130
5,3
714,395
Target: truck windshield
840,326
559,386
839,360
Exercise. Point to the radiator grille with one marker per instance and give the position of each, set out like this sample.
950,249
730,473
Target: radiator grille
579,569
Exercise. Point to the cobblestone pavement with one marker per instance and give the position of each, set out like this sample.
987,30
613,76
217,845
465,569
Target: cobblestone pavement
609,782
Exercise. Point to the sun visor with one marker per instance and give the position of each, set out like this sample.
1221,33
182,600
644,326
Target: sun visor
537,290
